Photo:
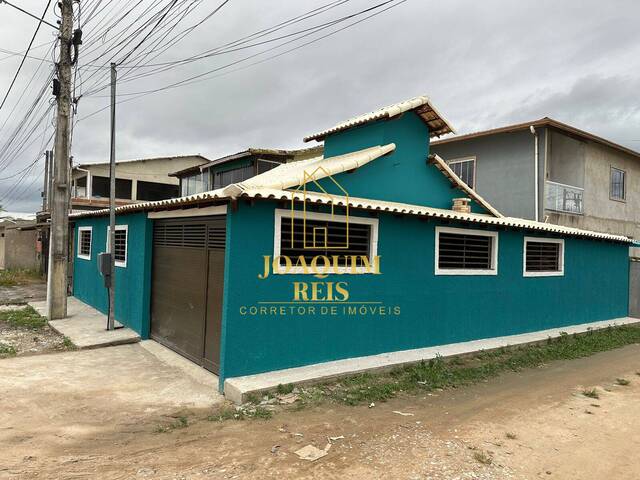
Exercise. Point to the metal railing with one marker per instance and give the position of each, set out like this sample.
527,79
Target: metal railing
564,198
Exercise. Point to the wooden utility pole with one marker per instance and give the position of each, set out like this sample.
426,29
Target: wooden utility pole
59,241
112,204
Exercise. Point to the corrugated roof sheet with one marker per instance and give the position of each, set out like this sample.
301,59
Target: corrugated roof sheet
437,124
295,174
358,203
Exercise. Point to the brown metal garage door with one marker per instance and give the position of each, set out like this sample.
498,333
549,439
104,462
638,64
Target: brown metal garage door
187,285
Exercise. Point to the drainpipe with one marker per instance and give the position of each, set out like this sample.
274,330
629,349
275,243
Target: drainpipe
536,161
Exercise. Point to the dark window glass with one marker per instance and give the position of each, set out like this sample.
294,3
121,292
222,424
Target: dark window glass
543,257
325,238
100,187
222,179
618,184
156,191
461,251
465,169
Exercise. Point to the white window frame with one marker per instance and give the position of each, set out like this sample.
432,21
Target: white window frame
466,271
119,263
558,273
466,159
373,239
80,230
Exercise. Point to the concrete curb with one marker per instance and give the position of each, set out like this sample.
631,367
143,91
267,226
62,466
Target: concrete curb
238,388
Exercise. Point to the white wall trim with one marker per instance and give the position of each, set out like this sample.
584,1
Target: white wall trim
80,230
126,244
466,271
558,273
286,213
189,212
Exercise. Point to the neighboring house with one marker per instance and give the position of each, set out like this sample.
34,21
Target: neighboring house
376,247
145,179
237,167
20,246
582,180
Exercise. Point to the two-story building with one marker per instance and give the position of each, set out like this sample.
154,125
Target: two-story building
552,172
144,179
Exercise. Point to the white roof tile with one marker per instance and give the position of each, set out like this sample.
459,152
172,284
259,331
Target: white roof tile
437,124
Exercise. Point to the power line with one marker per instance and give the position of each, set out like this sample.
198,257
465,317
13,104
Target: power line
25,53
42,20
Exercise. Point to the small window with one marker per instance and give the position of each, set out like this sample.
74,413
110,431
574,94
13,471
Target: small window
466,252
120,250
323,234
465,168
543,257
618,184
84,243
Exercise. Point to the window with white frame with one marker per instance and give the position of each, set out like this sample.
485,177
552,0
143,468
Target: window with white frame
543,257
462,251
617,189
120,245
84,242
348,242
465,168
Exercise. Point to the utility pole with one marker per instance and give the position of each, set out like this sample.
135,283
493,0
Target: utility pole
45,187
59,243
112,203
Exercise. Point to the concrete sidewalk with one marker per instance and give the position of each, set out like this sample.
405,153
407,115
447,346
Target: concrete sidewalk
86,327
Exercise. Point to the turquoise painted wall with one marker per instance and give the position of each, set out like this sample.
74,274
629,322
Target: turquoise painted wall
402,176
435,310
133,282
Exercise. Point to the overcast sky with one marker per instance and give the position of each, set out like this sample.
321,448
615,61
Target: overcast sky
484,64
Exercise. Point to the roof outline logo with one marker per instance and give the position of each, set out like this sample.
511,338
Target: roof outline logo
320,237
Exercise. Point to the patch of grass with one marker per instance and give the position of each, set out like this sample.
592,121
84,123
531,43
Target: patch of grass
68,344
284,389
511,436
439,373
25,317
181,422
7,350
622,381
482,457
11,278
592,393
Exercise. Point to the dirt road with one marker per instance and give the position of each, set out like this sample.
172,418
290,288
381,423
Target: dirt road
554,431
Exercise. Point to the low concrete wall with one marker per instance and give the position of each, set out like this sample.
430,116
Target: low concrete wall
20,249
634,289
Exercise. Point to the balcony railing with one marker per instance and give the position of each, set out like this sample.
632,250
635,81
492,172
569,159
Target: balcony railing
564,198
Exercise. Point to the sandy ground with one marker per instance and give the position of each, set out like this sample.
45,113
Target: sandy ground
78,432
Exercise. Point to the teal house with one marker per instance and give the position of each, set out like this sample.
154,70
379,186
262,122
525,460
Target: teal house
375,247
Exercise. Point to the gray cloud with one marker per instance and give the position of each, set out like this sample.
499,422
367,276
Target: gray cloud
484,64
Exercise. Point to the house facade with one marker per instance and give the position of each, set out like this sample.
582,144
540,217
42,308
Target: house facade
551,172
378,246
145,179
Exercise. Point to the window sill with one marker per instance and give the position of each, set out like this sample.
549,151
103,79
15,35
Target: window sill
441,271
84,257
543,274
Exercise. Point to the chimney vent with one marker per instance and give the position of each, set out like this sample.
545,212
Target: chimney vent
461,205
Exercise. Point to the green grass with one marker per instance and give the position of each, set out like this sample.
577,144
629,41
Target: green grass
6,350
622,381
482,457
181,422
68,344
11,278
24,317
441,374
